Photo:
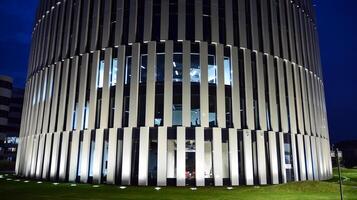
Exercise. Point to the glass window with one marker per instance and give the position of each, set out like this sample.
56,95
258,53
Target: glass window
113,72
212,69
227,71
100,74
195,71
190,159
128,70
177,67
195,117
160,68
143,68
177,111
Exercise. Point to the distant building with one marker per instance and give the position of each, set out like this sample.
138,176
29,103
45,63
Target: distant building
349,152
11,100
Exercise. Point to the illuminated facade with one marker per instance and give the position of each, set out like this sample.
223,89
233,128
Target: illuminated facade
175,92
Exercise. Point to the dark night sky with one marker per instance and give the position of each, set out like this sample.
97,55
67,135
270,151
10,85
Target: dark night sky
338,40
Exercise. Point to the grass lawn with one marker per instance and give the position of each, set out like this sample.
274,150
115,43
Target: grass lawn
13,188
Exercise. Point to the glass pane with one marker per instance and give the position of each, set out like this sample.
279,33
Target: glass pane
177,68
190,159
195,117
100,74
143,68
128,70
113,72
177,115
227,71
160,68
212,69
195,71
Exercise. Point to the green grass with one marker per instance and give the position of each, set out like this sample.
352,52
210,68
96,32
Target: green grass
11,189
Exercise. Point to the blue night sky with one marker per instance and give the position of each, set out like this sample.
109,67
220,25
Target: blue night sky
338,41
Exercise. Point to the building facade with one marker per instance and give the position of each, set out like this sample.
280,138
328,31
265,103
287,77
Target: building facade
11,100
175,92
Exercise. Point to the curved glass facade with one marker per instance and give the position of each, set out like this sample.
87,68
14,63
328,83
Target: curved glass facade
175,92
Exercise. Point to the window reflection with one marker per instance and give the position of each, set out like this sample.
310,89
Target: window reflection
227,71
160,68
100,74
143,68
113,72
212,69
195,71
128,70
177,67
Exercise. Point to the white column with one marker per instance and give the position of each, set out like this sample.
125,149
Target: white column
204,85
143,156
85,155
309,170
181,157
164,20
248,156
298,98
47,156
233,157
301,157
132,20
36,139
98,155
214,21
274,120
126,162
261,92
168,86
181,15
248,90
198,21
282,97
104,112
282,157
82,91
199,157
150,85
119,88
261,154
134,86
315,164
54,157
161,156
273,154
74,153
112,155
221,98
290,86
235,89
148,20
217,157
63,156
186,84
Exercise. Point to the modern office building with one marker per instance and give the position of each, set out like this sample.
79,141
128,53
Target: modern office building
11,100
175,92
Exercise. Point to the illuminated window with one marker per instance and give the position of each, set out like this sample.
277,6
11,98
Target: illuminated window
100,74
227,71
212,69
113,72
128,70
143,68
177,67
195,71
